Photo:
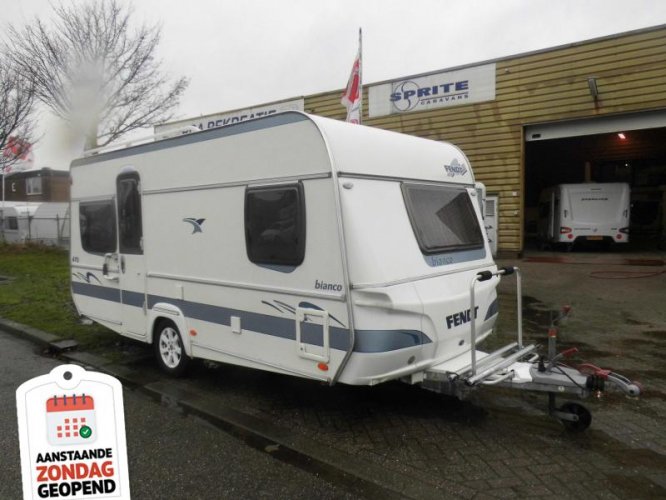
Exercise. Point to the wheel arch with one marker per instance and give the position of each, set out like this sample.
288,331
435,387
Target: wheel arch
163,311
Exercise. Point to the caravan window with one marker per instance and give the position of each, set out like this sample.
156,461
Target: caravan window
442,217
97,222
12,223
129,214
275,225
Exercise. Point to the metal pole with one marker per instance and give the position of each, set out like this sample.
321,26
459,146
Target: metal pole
519,292
360,75
2,211
472,323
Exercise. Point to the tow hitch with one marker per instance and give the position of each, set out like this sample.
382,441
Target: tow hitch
520,367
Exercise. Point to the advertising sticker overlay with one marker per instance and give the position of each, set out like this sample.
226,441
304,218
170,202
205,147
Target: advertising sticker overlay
72,435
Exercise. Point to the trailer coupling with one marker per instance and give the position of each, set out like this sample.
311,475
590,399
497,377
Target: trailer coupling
524,369
521,367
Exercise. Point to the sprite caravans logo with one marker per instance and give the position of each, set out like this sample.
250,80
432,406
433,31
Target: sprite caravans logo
456,168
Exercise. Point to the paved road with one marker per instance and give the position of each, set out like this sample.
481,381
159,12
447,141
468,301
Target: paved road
170,455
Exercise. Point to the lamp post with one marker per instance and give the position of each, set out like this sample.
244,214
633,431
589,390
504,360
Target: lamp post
2,207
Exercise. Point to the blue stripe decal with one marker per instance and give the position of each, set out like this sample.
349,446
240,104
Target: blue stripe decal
366,341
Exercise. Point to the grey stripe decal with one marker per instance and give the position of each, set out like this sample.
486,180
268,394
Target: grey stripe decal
367,341
133,298
256,322
205,135
492,310
388,340
97,292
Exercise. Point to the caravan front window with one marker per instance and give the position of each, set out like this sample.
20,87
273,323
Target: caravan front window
97,222
442,217
275,225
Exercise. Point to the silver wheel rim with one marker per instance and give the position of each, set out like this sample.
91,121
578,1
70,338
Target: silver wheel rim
170,350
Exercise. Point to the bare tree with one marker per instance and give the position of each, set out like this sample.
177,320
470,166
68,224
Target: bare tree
16,105
96,71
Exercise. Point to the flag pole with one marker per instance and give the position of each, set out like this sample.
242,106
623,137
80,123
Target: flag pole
360,75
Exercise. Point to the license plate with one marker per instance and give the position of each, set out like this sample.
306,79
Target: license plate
595,238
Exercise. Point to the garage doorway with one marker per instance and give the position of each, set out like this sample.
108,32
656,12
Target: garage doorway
602,150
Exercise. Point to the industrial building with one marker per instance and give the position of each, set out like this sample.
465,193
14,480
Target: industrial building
589,111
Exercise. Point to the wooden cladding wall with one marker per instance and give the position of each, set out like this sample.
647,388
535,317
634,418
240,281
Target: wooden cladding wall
630,72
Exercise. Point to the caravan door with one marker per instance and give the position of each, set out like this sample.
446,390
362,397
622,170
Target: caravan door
131,261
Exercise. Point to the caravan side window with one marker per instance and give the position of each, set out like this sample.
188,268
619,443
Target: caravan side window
97,222
129,214
275,225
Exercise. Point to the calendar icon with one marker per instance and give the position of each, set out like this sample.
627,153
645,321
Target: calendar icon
70,419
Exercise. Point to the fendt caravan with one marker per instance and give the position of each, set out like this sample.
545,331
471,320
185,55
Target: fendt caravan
592,212
304,246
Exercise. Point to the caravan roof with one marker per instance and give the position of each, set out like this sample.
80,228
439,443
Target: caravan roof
349,151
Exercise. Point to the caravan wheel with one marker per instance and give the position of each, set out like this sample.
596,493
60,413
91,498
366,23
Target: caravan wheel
169,350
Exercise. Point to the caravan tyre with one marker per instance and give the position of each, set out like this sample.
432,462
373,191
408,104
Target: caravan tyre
169,350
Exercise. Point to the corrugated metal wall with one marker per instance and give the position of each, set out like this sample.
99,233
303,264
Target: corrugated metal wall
548,86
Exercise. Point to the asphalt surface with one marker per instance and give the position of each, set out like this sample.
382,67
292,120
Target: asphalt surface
400,441
170,455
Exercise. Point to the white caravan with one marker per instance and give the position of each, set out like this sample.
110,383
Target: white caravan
592,212
296,244
37,222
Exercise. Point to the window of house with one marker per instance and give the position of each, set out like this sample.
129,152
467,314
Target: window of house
275,225
33,185
442,217
12,223
97,221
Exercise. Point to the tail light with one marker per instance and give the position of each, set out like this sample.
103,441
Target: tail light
565,230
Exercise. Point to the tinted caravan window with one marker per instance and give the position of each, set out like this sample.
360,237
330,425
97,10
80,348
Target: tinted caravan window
442,217
275,225
97,222
129,214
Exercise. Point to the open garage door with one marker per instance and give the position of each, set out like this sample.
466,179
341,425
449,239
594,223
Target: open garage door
628,148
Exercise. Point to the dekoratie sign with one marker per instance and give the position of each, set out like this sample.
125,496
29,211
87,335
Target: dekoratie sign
72,435
222,119
451,88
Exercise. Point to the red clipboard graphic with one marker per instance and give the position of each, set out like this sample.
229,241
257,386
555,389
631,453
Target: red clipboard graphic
70,419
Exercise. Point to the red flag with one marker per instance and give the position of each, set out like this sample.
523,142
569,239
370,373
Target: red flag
18,154
353,96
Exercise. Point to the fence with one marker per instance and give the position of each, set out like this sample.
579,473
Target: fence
51,230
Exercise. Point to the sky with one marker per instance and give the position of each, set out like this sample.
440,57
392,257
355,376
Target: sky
240,54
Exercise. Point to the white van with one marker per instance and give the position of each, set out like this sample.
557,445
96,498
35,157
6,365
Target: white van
295,244
590,211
